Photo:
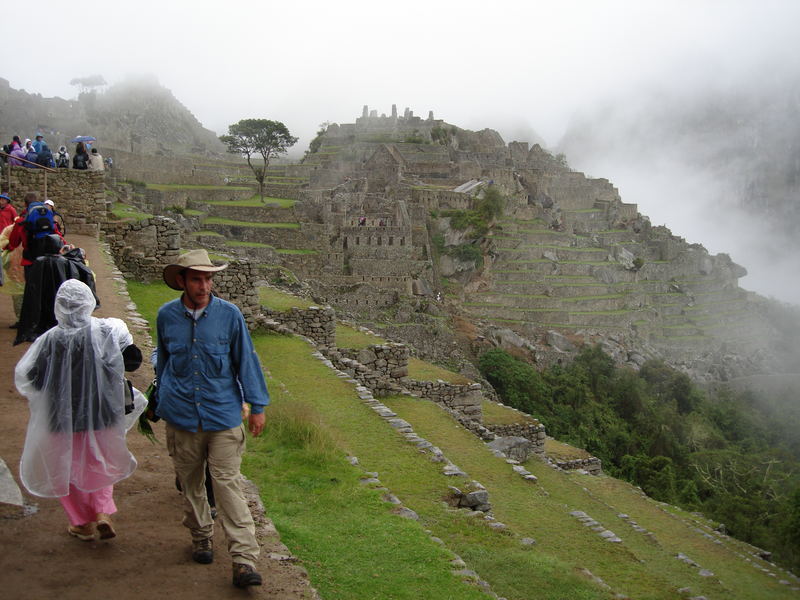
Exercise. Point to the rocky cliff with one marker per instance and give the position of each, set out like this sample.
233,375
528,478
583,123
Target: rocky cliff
137,115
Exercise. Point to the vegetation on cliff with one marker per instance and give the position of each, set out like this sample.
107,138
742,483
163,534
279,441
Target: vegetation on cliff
730,455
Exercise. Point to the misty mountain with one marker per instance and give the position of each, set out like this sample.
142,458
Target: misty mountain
719,165
137,115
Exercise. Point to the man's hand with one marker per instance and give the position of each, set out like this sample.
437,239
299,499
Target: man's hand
256,423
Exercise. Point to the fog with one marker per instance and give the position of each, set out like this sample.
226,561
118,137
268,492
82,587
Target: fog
523,68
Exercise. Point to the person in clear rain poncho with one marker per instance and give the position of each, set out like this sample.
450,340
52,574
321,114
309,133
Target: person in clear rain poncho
73,377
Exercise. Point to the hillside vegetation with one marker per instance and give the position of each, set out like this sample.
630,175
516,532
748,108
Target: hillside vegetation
720,452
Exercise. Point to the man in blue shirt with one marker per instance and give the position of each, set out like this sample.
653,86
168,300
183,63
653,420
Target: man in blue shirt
207,368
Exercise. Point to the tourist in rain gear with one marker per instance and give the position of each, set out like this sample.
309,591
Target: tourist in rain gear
38,143
42,281
45,157
74,380
32,156
8,214
16,154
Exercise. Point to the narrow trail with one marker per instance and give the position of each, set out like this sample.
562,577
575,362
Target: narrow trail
151,556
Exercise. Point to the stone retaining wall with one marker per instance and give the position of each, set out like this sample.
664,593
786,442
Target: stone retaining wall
535,433
161,200
318,324
79,196
592,465
290,192
142,248
387,360
235,284
463,399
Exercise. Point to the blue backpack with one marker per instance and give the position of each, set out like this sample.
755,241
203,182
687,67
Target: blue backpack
39,223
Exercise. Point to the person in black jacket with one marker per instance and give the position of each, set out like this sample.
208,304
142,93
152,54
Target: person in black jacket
80,160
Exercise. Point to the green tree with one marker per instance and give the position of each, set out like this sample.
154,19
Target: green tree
88,83
251,137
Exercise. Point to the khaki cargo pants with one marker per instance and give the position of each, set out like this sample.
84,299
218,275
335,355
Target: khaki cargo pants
223,451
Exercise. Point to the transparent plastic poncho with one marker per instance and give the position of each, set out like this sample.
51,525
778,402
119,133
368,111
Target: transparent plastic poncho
73,378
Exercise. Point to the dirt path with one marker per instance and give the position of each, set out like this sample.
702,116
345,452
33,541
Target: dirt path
150,557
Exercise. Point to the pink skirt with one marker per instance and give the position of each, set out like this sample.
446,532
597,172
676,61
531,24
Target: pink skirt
82,507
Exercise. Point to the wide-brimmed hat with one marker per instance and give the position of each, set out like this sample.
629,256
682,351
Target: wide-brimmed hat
194,259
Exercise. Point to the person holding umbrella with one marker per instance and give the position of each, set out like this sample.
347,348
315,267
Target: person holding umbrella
80,159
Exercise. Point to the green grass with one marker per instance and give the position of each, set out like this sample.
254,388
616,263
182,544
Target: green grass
276,299
126,212
295,251
425,371
239,244
344,533
318,535
255,201
205,232
221,221
498,414
149,297
350,337
165,187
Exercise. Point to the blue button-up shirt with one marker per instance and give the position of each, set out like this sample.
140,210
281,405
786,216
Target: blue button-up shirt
206,367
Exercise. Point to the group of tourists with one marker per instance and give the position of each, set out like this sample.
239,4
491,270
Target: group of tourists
36,153
209,384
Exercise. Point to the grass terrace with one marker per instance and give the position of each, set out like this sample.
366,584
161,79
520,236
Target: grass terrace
204,233
278,300
239,244
255,201
425,371
499,414
167,187
126,212
302,251
222,221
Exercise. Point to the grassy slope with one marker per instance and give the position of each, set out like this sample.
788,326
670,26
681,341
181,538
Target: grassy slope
354,547
418,482
639,567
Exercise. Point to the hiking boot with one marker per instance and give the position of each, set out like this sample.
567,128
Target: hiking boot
104,526
245,576
202,552
85,533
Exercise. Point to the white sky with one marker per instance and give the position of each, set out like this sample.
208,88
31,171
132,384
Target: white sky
500,64
514,66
